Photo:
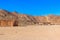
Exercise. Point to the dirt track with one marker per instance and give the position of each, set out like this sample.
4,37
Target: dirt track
36,32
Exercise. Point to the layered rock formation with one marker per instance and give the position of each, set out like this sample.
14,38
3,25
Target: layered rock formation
7,18
15,19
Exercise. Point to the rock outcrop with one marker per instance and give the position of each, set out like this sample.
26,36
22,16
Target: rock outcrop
7,18
25,20
15,19
54,20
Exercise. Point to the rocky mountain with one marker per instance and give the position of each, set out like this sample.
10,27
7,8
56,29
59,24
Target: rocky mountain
5,15
22,19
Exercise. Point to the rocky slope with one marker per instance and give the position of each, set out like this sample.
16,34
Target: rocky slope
5,15
22,19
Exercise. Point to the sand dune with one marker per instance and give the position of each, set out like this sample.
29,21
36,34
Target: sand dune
37,32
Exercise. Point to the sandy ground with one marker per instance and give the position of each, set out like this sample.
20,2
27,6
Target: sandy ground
37,32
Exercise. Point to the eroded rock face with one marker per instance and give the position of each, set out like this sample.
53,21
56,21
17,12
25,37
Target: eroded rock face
6,23
6,18
15,19
40,19
25,20
54,20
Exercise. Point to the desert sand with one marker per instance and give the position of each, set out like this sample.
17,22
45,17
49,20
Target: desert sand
33,32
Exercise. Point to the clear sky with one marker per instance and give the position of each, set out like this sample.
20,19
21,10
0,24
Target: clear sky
32,7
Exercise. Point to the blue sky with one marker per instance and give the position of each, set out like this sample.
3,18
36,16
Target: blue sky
32,7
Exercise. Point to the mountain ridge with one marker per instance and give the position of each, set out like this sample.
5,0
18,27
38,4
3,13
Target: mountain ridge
23,19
